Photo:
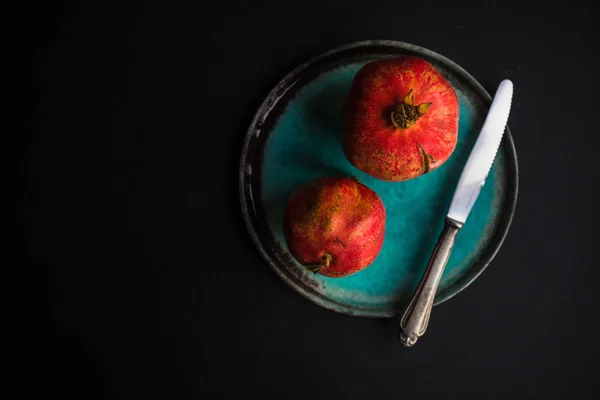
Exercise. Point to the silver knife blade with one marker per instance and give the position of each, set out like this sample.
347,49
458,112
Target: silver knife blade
482,156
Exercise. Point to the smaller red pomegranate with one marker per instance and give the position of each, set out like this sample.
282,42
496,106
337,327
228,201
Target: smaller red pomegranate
334,226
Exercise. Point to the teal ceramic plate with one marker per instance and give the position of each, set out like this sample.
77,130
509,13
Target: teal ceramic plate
294,138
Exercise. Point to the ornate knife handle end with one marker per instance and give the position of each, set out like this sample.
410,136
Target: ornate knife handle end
408,341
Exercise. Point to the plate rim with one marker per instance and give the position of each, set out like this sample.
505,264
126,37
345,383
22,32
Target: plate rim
508,210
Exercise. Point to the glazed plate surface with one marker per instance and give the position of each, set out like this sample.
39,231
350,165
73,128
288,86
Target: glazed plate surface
295,138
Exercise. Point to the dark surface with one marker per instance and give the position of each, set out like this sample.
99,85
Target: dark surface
140,280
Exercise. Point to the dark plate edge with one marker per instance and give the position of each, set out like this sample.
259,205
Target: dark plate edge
480,265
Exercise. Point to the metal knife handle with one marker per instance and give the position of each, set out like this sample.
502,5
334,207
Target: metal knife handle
416,317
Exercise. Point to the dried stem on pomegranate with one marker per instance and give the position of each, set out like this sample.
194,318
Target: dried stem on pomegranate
315,268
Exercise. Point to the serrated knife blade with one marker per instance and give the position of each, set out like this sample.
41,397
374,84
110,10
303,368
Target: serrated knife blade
482,156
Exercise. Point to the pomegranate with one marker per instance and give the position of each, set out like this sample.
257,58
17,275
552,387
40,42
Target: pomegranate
334,226
400,119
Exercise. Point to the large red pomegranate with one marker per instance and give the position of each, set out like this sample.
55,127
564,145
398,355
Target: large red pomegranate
334,226
400,119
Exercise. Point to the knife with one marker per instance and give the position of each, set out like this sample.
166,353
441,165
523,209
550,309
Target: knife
416,317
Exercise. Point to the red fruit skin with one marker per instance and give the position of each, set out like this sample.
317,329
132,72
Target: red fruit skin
371,141
336,216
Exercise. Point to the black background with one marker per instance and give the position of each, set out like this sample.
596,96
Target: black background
139,278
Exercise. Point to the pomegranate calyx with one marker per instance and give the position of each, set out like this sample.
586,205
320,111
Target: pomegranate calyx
315,268
406,113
